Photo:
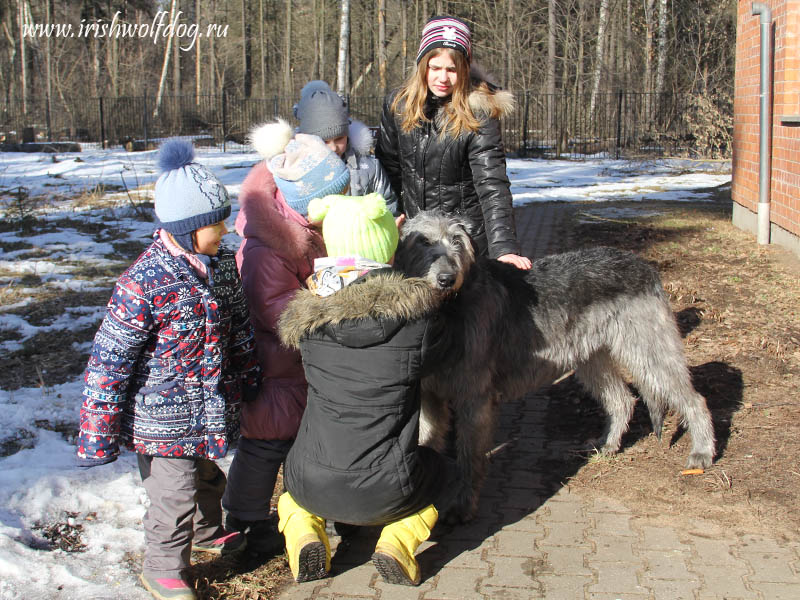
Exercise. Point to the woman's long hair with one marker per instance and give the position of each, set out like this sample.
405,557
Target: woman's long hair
457,116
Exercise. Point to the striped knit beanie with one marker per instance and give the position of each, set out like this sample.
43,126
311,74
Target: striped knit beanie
187,196
445,32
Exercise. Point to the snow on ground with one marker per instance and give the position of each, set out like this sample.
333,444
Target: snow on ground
39,484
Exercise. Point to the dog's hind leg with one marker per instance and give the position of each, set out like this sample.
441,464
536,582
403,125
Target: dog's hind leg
655,357
602,379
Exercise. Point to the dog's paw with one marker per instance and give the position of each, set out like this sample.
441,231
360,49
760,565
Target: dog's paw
601,446
699,460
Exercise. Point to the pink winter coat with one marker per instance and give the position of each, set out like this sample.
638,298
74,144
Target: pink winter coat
274,259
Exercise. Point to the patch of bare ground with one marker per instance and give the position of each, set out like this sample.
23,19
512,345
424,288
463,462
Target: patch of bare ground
737,304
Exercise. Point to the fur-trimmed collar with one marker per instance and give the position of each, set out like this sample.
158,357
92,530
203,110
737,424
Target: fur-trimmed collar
359,138
386,294
263,215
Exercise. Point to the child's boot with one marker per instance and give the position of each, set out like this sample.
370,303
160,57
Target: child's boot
163,588
307,543
394,553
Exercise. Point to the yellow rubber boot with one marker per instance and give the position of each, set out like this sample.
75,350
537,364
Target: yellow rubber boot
307,543
394,553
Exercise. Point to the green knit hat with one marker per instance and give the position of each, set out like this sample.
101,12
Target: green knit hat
356,226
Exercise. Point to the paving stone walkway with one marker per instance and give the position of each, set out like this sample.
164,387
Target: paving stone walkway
536,538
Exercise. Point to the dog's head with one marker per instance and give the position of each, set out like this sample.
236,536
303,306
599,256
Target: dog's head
437,248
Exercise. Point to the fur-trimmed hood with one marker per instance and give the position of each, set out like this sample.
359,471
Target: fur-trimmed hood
384,294
487,97
495,103
265,216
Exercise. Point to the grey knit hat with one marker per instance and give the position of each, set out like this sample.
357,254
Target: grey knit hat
321,111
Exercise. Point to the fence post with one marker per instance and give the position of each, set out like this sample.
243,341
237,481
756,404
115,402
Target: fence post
224,119
525,127
144,119
619,121
102,126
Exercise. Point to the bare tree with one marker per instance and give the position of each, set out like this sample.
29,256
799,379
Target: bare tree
344,44
551,59
165,64
648,45
662,46
23,60
602,22
382,45
287,51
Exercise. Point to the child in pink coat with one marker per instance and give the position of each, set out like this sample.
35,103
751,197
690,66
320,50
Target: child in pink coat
275,258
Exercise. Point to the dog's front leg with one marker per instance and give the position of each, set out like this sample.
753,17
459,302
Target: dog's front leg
434,421
474,433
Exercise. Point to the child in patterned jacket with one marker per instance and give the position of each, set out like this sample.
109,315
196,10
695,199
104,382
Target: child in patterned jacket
172,360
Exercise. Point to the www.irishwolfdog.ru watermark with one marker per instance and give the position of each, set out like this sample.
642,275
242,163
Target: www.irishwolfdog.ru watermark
161,27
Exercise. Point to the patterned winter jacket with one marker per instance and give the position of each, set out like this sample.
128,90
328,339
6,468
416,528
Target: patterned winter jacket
170,362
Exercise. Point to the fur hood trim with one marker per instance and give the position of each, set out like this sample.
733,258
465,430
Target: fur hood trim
270,139
383,295
487,97
360,138
492,102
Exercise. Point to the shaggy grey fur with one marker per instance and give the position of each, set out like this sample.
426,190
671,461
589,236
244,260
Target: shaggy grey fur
508,332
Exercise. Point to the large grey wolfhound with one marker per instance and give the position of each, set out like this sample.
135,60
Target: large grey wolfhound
508,332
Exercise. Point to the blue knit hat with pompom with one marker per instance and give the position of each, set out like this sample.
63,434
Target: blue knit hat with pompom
188,195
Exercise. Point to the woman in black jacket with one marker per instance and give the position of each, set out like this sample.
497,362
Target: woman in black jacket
440,142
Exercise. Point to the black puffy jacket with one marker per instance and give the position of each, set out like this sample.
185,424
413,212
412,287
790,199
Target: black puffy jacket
356,458
464,175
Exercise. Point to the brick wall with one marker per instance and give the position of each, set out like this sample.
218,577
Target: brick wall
785,144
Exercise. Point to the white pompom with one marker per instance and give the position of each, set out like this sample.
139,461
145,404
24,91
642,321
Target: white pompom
270,139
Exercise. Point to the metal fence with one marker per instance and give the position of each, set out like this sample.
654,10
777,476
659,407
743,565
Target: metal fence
621,123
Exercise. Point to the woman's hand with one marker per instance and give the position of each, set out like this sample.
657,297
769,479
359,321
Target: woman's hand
521,262
399,220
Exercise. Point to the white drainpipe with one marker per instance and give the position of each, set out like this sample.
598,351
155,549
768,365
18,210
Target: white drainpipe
760,8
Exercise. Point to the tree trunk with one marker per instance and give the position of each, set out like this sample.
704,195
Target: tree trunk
198,87
23,60
321,52
551,59
165,65
344,44
602,22
579,60
648,46
48,86
628,44
261,52
404,34
662,46
382,46
176,68
287,52
509,44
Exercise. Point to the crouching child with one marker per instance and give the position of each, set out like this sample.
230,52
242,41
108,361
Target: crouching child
365,335
170,363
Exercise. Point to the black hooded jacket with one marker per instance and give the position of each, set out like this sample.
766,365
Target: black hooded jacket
464,175
356,458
